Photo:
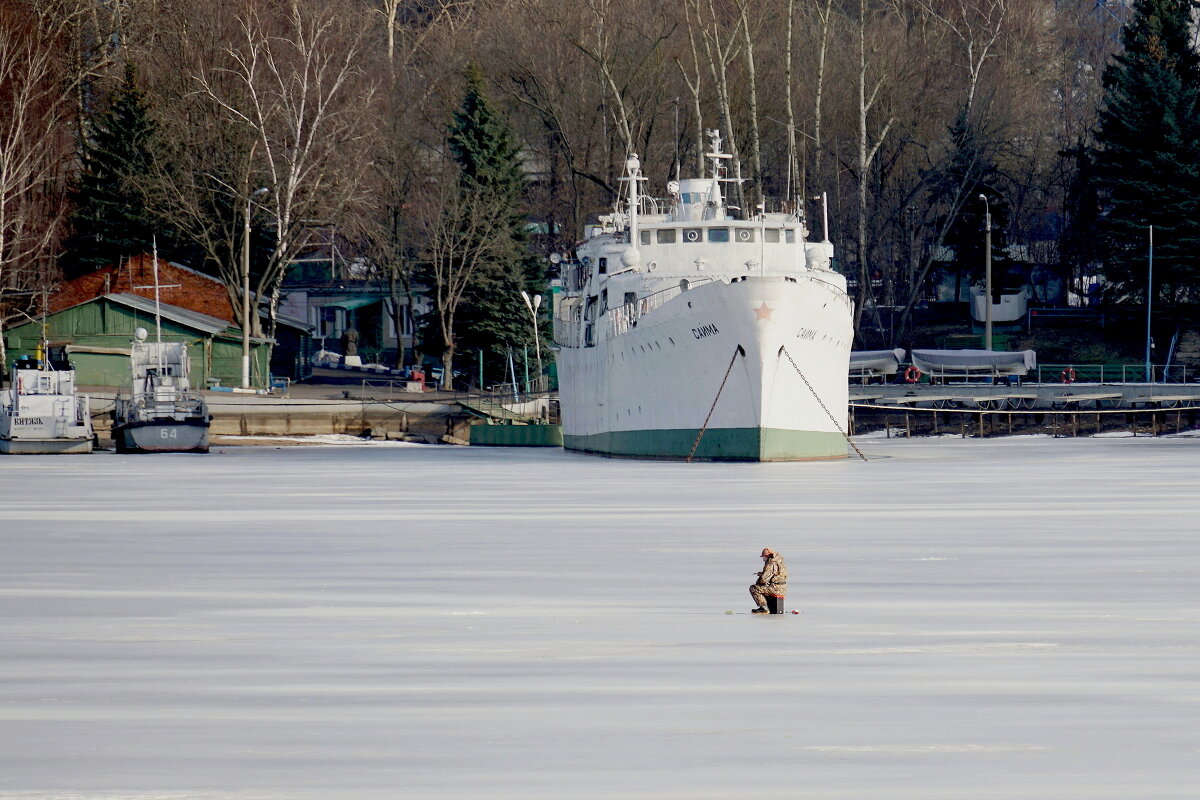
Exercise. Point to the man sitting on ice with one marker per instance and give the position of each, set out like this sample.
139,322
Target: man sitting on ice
772,581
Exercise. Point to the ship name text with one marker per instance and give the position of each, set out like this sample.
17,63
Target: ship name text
704,331
808,334
29,421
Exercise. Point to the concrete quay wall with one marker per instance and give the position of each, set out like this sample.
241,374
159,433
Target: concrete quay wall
258,416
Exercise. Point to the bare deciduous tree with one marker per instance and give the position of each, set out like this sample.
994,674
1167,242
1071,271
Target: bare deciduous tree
35,93
300,93
462,235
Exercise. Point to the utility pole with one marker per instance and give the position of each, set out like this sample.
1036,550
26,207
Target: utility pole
987,273
246,290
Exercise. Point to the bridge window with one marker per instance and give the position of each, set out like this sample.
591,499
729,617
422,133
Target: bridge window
791,236
691,235
771,236
666,236
745,234
718,234
644,236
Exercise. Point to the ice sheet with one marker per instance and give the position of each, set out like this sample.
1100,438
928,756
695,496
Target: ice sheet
363,622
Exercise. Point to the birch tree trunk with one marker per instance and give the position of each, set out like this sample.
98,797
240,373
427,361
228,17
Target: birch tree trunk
825,15
601,54
868,146
752,90
694,88
788,69
720,53
978,26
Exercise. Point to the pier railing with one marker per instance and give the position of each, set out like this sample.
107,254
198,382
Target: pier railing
527,400
1112,374
1117,373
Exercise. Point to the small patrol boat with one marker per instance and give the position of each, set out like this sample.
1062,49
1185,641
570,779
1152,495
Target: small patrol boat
160,413
41,412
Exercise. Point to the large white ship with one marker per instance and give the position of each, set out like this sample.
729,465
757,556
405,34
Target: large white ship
686,330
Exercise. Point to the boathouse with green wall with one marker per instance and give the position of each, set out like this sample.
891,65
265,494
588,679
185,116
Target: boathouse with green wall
97,335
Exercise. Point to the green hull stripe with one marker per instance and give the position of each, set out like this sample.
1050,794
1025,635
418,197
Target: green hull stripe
517,435
718,444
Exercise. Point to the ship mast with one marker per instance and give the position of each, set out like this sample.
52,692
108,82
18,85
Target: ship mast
715,195
633,174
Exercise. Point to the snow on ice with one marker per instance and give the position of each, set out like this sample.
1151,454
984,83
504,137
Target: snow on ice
1002,618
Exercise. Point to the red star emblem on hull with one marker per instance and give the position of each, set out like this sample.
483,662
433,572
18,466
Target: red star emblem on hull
763,312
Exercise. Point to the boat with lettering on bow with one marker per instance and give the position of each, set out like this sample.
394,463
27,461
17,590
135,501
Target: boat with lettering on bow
688,330
41,412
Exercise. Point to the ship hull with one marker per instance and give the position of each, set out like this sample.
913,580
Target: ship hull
753,370
154,436
719,444
34,421
56,446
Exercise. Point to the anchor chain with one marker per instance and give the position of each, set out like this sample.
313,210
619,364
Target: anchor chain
821,403
704,427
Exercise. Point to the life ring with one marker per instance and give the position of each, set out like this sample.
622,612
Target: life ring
1067,375
912,374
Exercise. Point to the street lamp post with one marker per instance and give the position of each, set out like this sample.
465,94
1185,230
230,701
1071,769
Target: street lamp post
533,304
1149,302
987,273
246,290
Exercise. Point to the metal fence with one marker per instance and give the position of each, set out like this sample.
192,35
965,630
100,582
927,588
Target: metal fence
1116,373
1111,374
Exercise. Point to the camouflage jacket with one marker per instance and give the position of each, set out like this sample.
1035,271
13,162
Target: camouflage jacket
774,575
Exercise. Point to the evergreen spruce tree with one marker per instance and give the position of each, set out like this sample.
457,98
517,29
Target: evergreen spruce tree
111,220
1148,154
965,176
493,315
1081,246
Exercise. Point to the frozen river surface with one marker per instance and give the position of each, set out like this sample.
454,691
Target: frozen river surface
1009,618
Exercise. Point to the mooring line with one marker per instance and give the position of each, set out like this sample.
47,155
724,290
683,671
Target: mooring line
783,350
704,427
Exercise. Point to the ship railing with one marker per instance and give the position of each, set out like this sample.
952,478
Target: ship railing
623,319
566,328
770,205
130,405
